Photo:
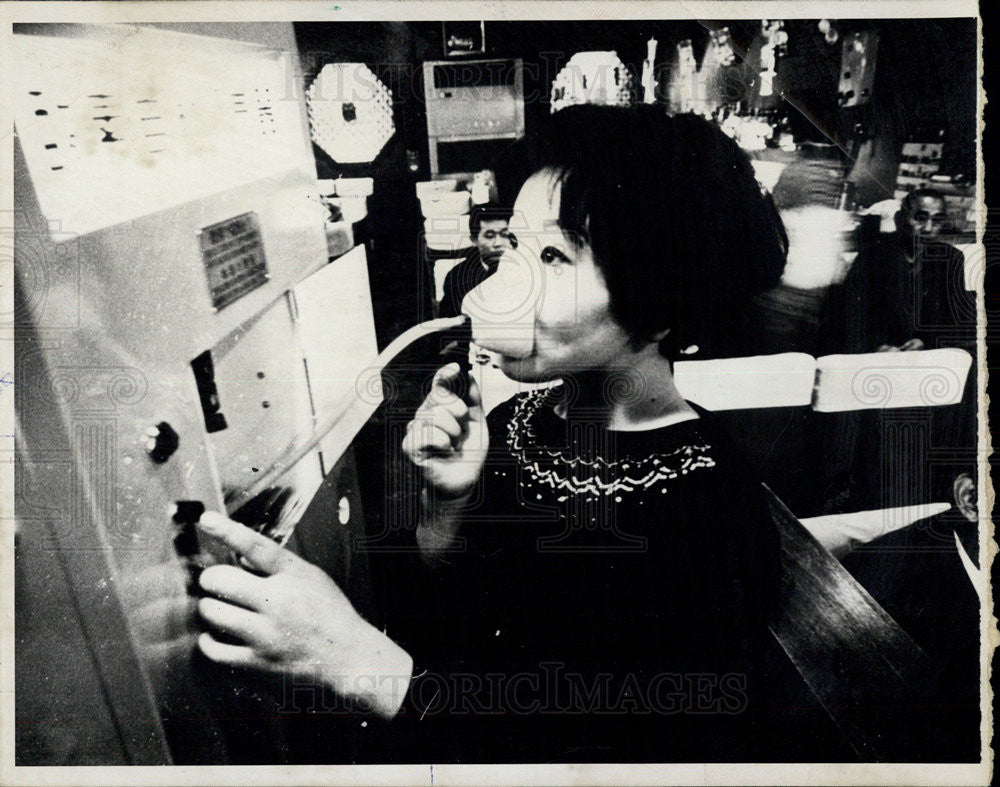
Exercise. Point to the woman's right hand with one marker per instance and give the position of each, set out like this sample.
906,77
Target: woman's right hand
447,438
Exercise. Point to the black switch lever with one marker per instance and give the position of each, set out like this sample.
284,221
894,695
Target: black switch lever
186,514
204,377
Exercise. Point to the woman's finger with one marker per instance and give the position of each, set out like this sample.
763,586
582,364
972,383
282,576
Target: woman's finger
438,403
453,405
425,439
258,552
234,655
234,585
448,423
230,619
433,438
474,396
441,398
446,377
446,387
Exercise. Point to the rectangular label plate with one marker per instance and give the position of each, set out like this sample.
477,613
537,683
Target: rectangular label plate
234,258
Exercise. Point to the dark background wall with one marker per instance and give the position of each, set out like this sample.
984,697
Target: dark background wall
924,82
925,75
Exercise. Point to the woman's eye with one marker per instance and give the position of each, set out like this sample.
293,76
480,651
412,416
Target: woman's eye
551,254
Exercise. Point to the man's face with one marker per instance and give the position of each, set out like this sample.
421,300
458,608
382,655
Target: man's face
925,218
493,240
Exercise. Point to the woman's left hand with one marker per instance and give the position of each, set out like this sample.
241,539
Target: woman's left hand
290,617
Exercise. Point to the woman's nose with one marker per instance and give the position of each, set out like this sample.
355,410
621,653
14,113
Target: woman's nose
502,307
509,295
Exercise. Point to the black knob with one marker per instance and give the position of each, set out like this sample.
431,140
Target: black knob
162,442
185,514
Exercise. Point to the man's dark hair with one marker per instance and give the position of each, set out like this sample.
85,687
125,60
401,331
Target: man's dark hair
910,200
488,211
678,224
908,206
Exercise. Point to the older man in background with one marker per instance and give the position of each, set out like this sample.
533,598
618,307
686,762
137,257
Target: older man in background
905,292
906,289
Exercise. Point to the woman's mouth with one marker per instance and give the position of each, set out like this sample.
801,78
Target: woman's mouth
503,316
512,344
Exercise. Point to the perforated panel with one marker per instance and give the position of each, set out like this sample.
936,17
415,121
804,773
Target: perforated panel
350,112
135,120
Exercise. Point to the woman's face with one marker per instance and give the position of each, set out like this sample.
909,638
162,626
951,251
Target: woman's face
547,309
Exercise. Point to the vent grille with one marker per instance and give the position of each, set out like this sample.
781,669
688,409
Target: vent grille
350,112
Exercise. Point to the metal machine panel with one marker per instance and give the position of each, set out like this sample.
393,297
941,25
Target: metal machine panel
477,97
327,304
114,305
263,393
133,309
134,134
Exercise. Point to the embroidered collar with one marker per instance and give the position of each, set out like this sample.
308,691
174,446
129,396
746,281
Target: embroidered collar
593,469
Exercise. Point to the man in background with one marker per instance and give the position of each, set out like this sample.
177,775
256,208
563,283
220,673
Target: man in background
924,303
488,228
906,289
904,292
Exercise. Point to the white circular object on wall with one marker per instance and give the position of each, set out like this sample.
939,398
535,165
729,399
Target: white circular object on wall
350,112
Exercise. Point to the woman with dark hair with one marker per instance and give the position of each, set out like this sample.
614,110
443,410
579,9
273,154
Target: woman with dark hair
673,214
603,525
598,564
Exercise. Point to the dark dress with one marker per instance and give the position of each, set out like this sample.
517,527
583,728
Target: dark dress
609,602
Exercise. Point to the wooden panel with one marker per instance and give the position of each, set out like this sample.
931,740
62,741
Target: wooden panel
865,670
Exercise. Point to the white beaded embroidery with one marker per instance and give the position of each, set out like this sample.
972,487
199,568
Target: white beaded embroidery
553,468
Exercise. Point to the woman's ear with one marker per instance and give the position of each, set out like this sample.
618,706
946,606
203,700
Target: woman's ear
964,491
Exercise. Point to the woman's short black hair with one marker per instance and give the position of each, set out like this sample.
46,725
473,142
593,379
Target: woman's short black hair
678,224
